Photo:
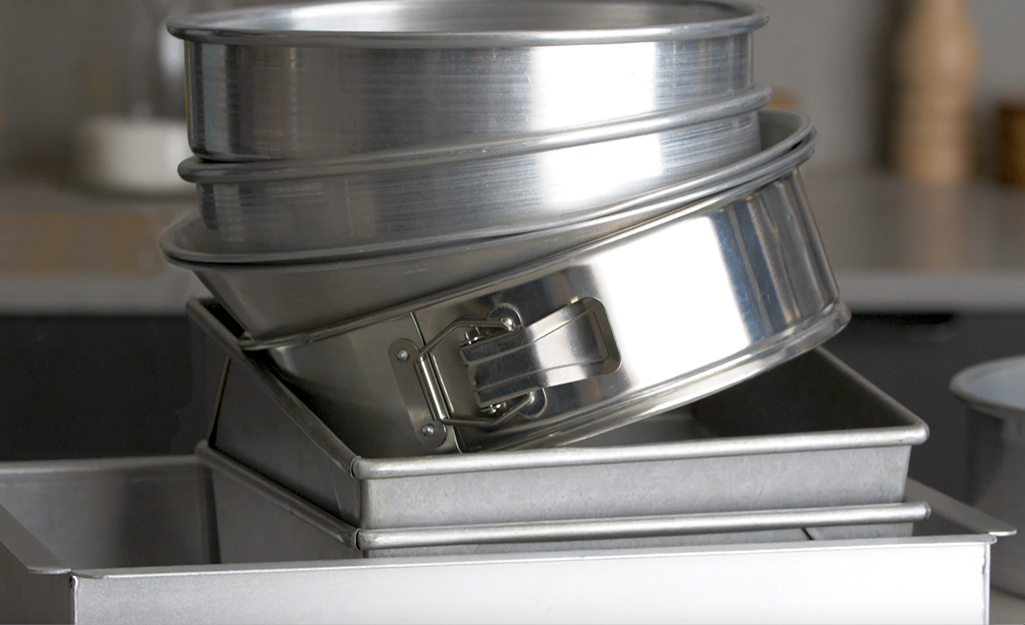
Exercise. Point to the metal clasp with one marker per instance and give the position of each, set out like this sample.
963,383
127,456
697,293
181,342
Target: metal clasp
509,366
427,374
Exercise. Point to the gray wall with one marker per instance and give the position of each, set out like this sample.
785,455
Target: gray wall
832,54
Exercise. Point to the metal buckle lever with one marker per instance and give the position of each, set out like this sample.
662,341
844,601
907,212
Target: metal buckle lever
428,377
571,344
508,372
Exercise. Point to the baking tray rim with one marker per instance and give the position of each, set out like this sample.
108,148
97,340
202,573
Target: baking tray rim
972,527
550,531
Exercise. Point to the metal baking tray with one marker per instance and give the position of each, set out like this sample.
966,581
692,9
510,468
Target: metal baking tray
134,540
811,433
249,507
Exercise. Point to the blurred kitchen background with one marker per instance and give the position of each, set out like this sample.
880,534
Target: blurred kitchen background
94,348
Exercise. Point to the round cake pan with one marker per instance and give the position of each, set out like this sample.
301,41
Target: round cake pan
582,342
270,296
428,198
369,75
994,393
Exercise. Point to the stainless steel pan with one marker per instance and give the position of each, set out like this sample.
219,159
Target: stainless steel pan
359,77
271,297
413,199
582,342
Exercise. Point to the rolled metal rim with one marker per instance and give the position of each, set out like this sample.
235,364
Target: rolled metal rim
783,154
427,198
341,99
199,171
964,386
274,26
427,207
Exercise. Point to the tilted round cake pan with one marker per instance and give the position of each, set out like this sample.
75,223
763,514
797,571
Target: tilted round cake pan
270,296
588,340
364,76
426,198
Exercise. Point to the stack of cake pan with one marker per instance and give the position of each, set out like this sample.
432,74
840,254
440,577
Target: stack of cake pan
366,126
469,226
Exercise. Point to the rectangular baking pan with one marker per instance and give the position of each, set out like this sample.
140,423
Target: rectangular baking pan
250,508
135,540
809,434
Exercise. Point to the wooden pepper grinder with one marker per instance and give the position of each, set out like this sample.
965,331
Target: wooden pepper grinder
937,66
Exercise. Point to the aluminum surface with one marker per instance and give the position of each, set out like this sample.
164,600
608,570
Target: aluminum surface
996,455
752,258
780,133
413,200
70,505
806,452
372,76
940,574
249,506
276,299
928,579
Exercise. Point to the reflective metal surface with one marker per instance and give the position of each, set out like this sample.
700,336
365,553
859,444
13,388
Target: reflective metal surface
364,76
403,201
783,425
744,277
780,132
117,512
995,395
939,574
250,506
276,299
